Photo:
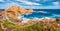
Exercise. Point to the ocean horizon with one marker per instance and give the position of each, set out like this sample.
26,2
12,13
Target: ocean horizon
54,13
40,13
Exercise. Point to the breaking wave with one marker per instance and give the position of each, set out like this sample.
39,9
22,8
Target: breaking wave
40,14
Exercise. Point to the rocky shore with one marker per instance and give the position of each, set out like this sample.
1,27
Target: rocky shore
43,25
10,22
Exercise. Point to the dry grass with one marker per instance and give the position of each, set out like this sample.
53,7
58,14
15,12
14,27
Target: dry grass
40,26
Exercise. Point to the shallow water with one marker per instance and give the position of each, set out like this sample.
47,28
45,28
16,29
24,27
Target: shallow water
42,13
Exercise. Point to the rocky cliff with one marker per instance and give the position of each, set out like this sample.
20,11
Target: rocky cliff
14,11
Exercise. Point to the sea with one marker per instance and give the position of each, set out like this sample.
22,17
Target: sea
42,13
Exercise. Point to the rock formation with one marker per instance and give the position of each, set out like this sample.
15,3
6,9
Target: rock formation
14,11
30,21
2,15
45,20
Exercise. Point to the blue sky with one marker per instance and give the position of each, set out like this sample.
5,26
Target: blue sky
35,4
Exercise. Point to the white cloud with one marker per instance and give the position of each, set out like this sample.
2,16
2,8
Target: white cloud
37,0
56,3
1,0
27,7
41,7
7,5
48,0
29,3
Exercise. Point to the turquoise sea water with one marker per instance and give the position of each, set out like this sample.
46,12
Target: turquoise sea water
42,13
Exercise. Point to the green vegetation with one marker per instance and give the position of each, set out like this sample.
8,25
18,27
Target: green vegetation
40,26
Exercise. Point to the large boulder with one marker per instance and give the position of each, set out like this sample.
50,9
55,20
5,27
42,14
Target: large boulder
14,11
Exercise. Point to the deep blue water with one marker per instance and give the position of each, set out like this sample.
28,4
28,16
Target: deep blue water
41,13
51,13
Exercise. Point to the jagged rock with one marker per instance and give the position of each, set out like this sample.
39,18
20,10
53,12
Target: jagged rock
23,11
52,19
14,11
36,21
2,15
45,20
58,19
29,11
30,21
19,20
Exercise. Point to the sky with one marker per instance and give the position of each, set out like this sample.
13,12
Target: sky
35,4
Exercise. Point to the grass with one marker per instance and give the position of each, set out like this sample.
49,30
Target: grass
41,26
